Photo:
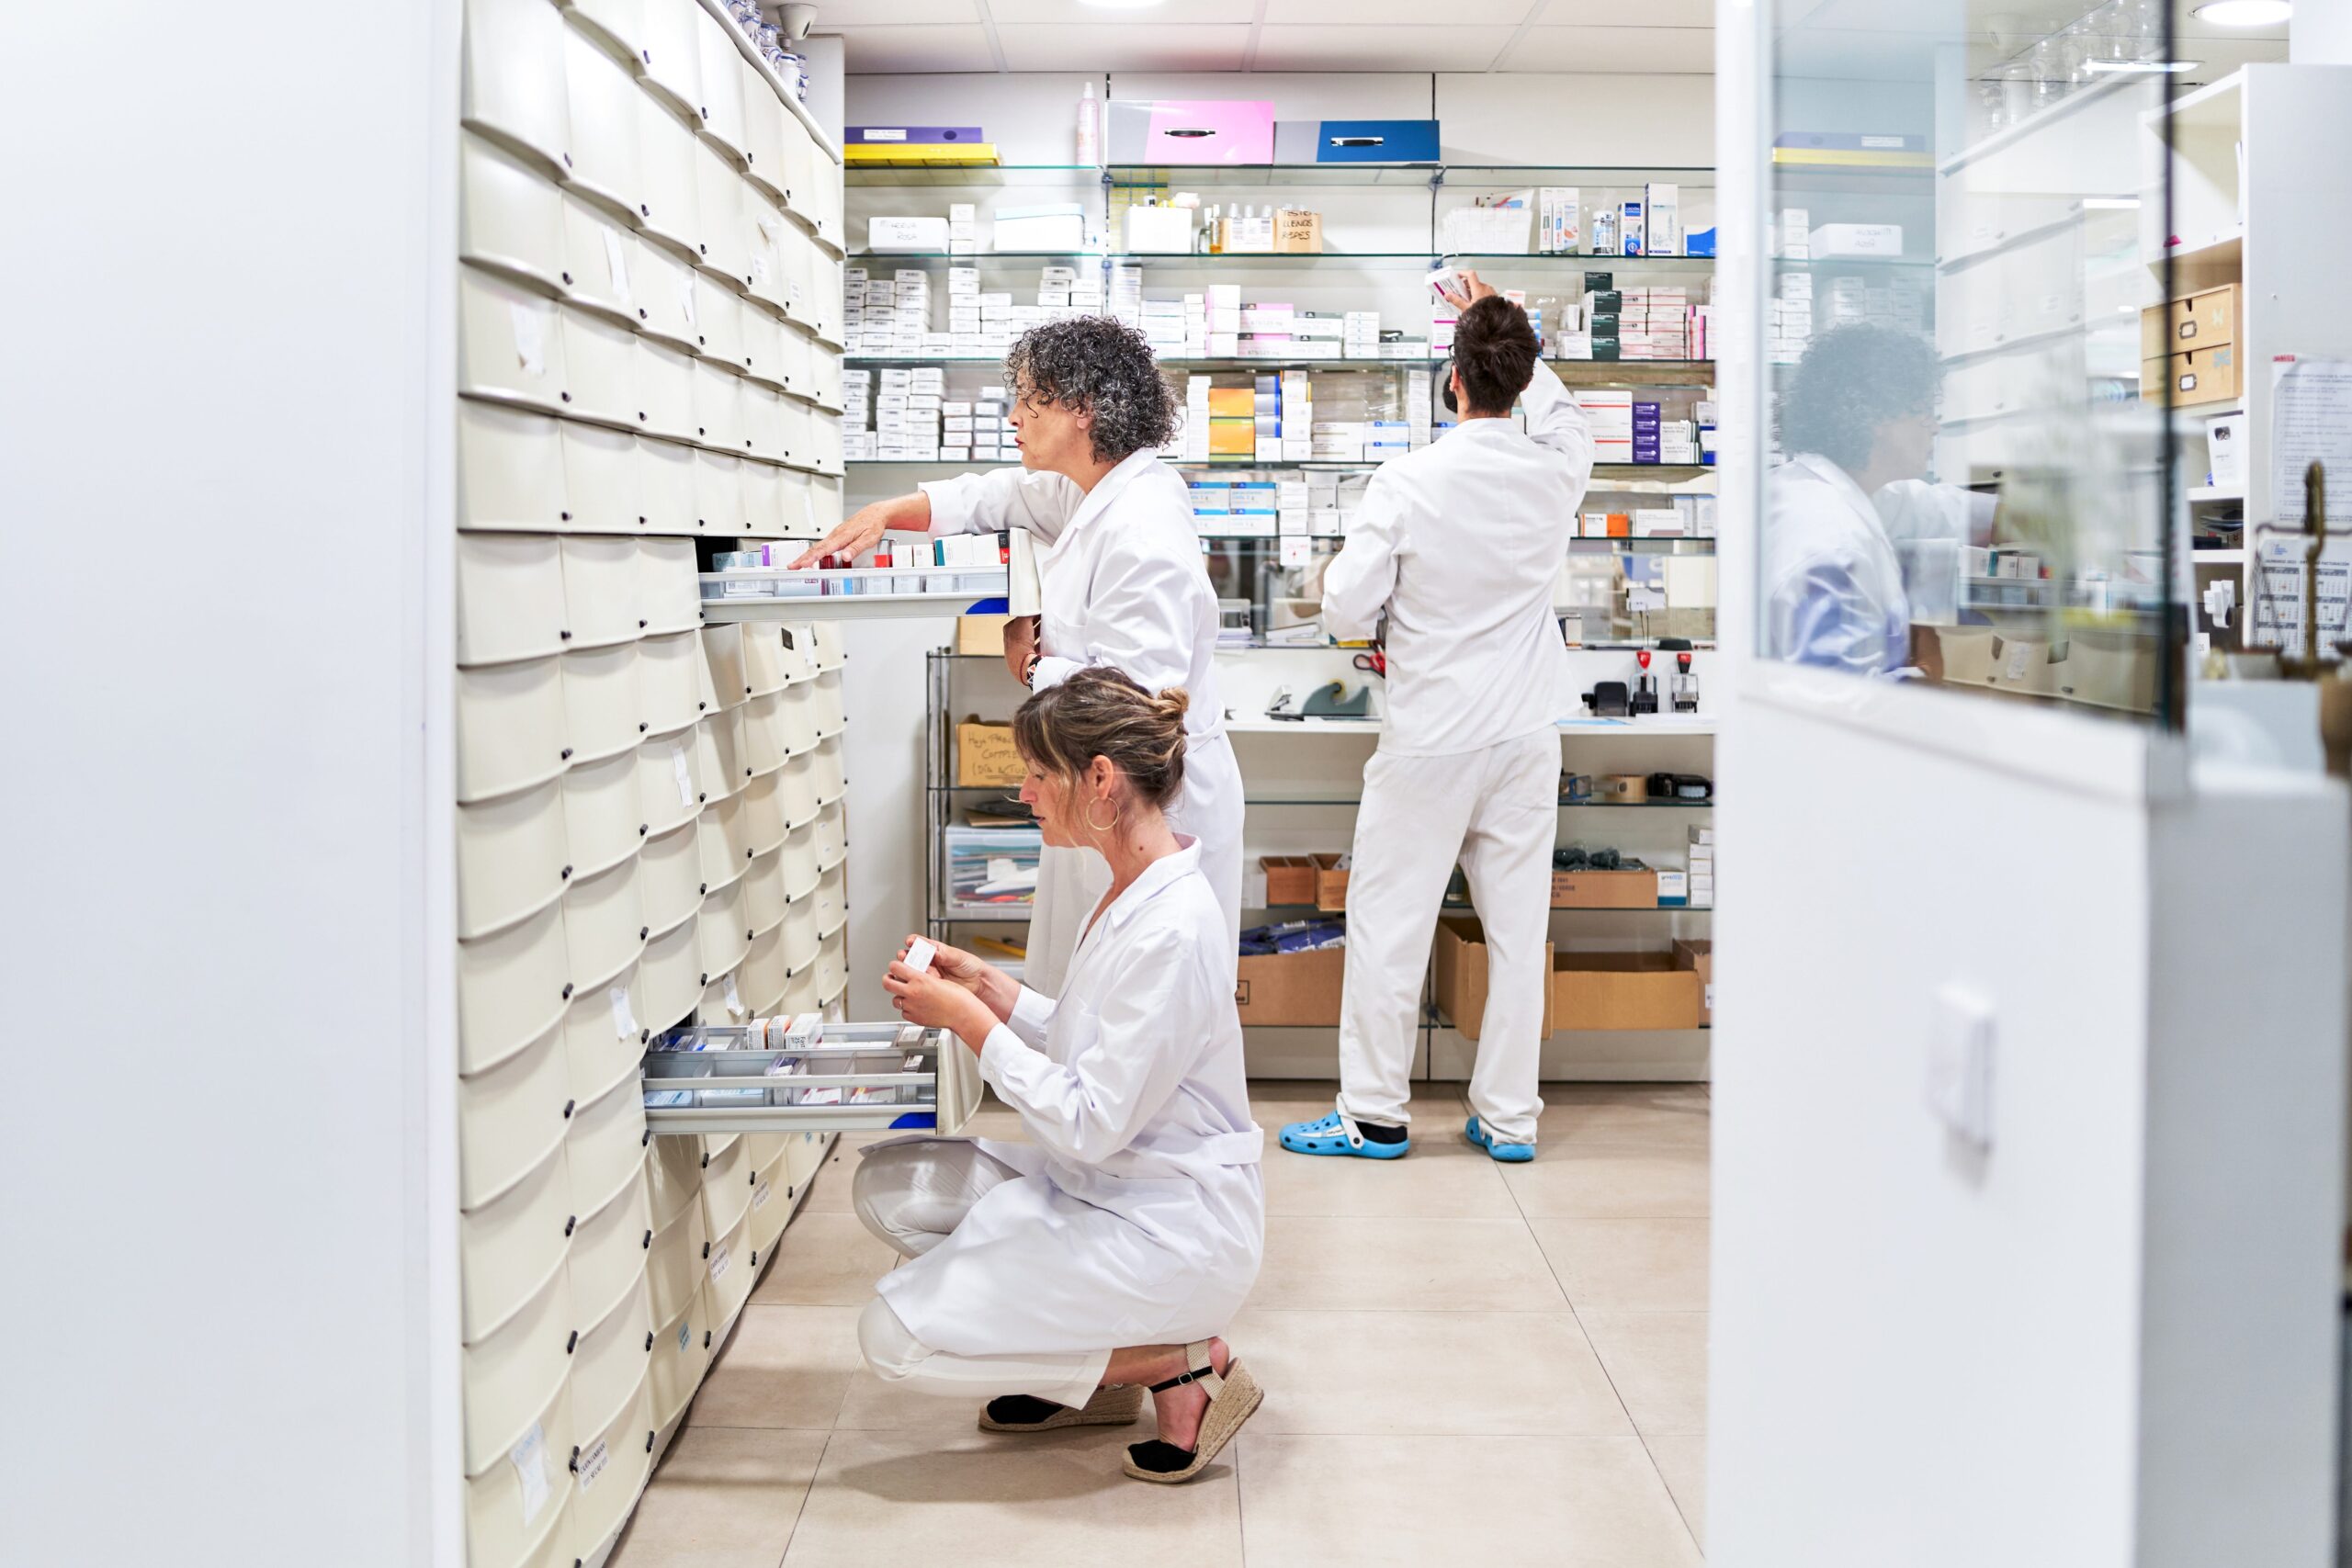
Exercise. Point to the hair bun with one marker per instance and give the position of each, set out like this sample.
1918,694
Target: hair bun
1173,703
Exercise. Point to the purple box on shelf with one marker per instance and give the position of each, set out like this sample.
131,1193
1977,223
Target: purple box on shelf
885,135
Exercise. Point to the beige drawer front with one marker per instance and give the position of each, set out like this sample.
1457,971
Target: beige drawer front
763,896
509,219
511,1373
831,829
669,301
515,1508
771,1203
511,728
608,1248
727,1189
722,658
603,494
609,1365
600,703
510,859
670,975
669,876
665,150
682,1350
669,682
605,1148
603,259
510,472
666,386
764,821
723,851
510,598
620,23
604,925
729,1273
719,752
512,987
510,341
724,934
602,94
719,322
721,111
667,590
668,786
602,822
604,1033
509,1246
763,973
599,590
612,1466
674,1263
511,1117
799,934
513,77
718,485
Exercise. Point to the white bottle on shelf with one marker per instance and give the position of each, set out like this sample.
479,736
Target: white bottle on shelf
1089,137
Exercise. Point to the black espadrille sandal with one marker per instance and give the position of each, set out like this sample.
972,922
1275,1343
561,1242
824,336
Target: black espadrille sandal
1233,1397
1116,1404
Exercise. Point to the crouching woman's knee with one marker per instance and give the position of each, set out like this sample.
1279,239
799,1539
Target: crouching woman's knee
890,1352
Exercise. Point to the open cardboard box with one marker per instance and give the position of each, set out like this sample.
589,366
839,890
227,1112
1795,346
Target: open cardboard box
1700,958
1629,990
1294,988
1462,975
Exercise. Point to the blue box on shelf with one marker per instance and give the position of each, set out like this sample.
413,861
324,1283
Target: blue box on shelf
1356,141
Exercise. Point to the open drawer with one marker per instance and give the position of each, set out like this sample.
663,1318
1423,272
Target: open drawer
714,1078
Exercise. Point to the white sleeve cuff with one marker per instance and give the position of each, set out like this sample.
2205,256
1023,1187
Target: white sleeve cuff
1052,671
1033,1014
951,504
999,1053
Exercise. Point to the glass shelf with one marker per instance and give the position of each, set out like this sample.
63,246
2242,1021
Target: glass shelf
1629,369
1188,176
1326,797
978,175
1297,912
1406,260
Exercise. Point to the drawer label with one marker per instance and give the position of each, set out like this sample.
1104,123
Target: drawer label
718,1261
685,1336
685,776
592,1464
734,997
615,263
624,1019
760,1197
529,1458
530,338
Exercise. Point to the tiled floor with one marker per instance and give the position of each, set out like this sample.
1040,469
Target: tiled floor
1462,1362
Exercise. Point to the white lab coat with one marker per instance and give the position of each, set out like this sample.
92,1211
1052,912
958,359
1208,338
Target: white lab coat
1138,1217
1833,586
1122,584
1461,542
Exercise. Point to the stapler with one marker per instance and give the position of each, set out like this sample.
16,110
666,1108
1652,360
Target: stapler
1607,700
1329,700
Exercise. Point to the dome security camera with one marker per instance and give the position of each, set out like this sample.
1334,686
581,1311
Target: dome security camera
795,20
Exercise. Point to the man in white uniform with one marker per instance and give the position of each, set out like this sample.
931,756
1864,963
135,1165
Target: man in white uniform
1460,545
1121,578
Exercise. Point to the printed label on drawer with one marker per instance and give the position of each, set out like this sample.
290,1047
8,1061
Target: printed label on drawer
718,1261
685,777
615,263
529,1458
530,338
734,998
686,300
761,1194
758,267
685,1336
2019,654
592,1464
624,1018
1710,995
808,508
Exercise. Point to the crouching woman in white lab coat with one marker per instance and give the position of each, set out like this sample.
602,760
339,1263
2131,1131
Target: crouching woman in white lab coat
1121,578
1061,1275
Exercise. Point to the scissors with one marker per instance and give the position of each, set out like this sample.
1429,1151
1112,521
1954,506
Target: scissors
1373,660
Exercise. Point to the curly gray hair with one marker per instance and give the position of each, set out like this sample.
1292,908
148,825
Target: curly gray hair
1099,365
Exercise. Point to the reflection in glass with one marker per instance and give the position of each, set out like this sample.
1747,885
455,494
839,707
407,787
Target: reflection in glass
1969,488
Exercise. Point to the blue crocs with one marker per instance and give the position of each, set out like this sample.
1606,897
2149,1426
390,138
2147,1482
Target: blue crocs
1510,1153
1335,1134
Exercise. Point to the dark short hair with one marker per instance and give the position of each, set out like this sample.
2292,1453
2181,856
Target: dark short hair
1853,381
1494,349
1098,365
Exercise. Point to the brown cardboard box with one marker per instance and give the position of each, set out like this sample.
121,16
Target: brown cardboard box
1604,890
2205,320
2201,376
980,634
1699,958
1462,974
1627,990
1297,233
1296,988
1290,879
985,757
1331,883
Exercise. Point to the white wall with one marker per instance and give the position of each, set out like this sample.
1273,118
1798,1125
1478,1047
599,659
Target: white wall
227,490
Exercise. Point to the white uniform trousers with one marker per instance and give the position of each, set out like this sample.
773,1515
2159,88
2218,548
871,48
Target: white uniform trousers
1496,811
911,1196
1070,882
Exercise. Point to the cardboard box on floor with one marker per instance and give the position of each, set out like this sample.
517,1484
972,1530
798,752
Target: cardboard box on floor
1462,974
986,757
1628,990
1699,958
1330,883
1296,988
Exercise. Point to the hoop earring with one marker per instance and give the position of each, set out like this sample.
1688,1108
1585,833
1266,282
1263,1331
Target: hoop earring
1092,825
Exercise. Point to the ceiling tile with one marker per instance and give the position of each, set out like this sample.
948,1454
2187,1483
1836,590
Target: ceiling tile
1380,48
1400,12
1629,50
839,15
1077,12
1124,46
871,52
1613,14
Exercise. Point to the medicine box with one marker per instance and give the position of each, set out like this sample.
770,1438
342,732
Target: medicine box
1840,240
888,234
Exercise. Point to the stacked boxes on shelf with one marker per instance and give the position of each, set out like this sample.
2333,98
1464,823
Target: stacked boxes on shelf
649,811
1702,866
1297,404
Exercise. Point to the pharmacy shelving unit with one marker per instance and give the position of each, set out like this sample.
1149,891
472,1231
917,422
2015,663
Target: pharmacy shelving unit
2245,212
1303,781
651,827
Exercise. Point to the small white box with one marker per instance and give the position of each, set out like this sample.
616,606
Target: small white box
886,234
1837,240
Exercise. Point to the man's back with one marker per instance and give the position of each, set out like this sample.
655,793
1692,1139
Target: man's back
1462,543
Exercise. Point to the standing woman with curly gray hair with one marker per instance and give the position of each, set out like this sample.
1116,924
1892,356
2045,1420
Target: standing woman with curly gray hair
1123,584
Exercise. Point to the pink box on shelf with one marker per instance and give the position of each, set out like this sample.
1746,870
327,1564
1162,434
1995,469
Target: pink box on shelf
1177,131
